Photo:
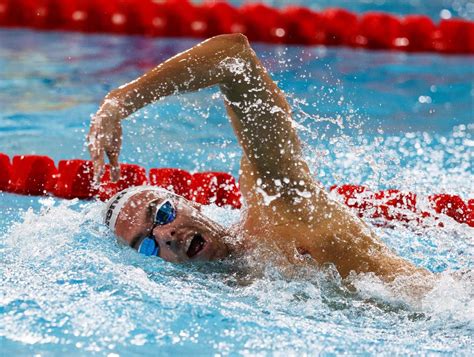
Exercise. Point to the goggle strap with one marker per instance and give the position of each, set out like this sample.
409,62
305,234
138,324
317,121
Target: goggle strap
116,203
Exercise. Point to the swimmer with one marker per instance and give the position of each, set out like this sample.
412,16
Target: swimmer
285,209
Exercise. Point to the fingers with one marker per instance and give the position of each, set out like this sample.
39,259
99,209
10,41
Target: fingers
114,144
99,168
97,155
105,137
114,165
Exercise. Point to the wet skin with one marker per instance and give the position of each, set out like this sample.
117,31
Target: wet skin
286,208
175,239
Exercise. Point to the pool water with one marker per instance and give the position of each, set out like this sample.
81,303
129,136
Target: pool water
382,119
436,9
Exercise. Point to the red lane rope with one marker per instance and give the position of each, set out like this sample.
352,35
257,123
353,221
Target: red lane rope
260,22
38,175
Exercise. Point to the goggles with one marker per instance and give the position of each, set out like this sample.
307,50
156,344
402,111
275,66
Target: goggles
164,213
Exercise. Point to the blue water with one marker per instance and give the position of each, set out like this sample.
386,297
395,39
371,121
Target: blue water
378,118
436,9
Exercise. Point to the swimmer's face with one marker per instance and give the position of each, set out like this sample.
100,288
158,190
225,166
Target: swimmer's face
191,236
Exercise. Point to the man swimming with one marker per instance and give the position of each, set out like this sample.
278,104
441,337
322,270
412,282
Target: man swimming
286,208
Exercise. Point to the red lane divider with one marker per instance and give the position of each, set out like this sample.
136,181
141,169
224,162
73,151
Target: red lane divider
394,205
419,32
389,204
30,174
130,175
73,180
263,23
338,27
260,22
215,187
454,207
176,180
5,172
201,187
378,31
37,175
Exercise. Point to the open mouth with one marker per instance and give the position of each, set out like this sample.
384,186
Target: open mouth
197,244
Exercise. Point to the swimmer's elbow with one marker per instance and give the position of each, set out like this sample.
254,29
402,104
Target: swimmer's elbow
233,39
113,98
240,38
112,95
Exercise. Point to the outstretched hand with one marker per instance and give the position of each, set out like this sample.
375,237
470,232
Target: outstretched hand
105,136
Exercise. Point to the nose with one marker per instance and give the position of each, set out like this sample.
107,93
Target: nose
167,240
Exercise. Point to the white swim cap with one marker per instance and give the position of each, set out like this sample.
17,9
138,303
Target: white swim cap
115,204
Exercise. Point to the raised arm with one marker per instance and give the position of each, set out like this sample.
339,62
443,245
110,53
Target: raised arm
258,110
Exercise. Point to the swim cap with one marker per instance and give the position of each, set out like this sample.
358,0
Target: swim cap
115,204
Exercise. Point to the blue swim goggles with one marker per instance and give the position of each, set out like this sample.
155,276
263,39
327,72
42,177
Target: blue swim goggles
164,213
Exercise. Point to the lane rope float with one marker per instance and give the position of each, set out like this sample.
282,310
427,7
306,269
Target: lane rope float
38,175
260,22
